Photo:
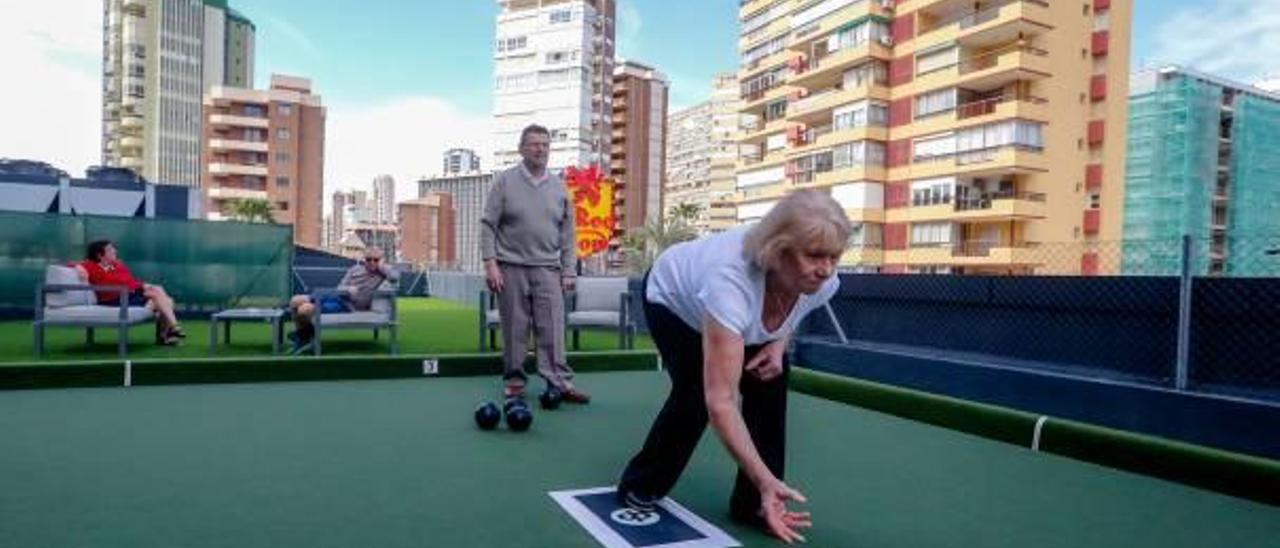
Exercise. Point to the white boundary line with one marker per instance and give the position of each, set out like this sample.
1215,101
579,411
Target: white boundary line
715,538
1035,436
128,372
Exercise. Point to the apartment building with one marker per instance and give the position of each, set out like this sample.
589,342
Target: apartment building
268,145
961,136
1200,165
702,150
427,228
159,57
553,66
639,139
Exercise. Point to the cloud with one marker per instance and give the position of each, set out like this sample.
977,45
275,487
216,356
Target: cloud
404,138
1235,38
51,108
628,27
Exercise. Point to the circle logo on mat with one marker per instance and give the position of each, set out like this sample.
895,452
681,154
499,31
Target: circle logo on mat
634,518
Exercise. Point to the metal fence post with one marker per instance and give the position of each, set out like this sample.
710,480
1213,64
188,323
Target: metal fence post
1184,315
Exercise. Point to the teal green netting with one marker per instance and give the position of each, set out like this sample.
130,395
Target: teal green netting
203,265
1254,208
1170,174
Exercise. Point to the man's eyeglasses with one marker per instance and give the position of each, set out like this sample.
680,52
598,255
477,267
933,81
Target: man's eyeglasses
372,259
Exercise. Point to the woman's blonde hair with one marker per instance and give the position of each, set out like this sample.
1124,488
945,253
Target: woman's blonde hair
803,220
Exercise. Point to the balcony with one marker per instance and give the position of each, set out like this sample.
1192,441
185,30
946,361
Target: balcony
131,121
862,255
238,121
220,168
824,137
824,179
234,193
804,36
1000,160
817,109
984,111
973,253
131,143
764,63
131,162
991,69
758,135
233,144
827,71
1010,18
755,103
986,206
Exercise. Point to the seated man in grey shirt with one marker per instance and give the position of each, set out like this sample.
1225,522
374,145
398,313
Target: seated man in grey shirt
359,283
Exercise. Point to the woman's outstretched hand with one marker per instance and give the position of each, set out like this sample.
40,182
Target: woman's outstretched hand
782,522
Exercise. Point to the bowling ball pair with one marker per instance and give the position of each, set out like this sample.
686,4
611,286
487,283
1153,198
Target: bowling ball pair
519,417
518,414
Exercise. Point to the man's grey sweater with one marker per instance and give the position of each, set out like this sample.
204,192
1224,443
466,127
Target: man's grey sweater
527,223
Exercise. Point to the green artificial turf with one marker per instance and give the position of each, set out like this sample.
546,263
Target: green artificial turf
427,326
399,463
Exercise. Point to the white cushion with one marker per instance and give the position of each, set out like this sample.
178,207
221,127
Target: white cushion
354,319
595,318
65,275
600,293
89,313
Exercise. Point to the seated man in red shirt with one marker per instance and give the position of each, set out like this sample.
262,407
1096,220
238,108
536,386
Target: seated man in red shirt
102,266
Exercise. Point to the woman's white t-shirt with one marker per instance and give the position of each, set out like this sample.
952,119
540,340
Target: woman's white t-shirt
710,277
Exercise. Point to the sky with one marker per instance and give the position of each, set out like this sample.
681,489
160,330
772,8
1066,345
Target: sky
404,80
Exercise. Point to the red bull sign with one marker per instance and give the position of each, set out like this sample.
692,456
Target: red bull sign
592,196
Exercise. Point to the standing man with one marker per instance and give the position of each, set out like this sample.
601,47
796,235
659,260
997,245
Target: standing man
527,243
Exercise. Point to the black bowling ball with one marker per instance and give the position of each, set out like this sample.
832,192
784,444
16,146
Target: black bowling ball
487,415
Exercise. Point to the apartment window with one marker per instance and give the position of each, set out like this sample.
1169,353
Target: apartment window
931,234
282,206
284,134
769,47
860,114
928,148
282,182
937,59
561,16
935,102
764,82
283,157
512,44
557,57
866,74
1019,133
1095,200
775,111
285,109
932,191
859,153
857,35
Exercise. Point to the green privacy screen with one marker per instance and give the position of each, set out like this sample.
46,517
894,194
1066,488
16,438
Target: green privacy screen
1169,177
203,265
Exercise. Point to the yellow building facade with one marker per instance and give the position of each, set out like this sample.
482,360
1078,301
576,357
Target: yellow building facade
962,137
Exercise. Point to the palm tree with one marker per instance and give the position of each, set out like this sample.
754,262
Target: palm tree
251,210
642,246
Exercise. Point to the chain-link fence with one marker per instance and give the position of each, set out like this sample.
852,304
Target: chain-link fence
1188,313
